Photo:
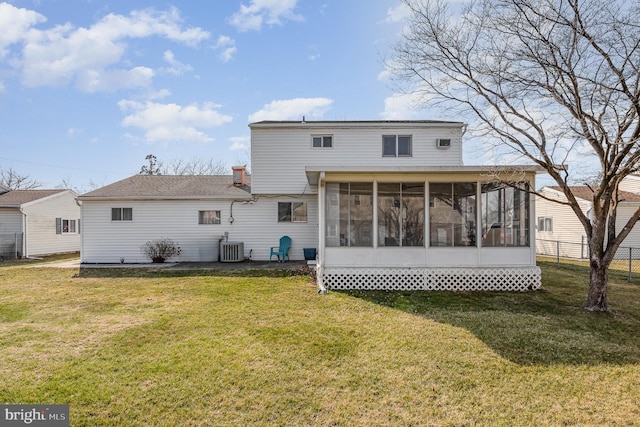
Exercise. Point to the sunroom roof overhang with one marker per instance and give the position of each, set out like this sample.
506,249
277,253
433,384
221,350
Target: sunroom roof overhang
313,172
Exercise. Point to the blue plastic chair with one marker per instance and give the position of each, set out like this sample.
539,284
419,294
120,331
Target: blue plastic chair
281,251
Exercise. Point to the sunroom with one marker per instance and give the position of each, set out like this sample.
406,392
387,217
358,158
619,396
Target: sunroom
430,228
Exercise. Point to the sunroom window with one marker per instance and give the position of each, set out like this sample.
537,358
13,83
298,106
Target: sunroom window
505,215
452,214
349,214
401,214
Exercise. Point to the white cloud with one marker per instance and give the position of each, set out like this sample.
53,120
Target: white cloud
292,109
240,143
176,67
398,13
258,12
15,23
93,57
402,107
168,123
227,46
113,80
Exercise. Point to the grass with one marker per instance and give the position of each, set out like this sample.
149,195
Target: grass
136,347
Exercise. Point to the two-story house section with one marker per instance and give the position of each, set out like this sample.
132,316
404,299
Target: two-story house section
394,207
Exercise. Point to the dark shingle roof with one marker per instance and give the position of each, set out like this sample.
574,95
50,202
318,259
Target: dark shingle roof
172,187
583,192
16,198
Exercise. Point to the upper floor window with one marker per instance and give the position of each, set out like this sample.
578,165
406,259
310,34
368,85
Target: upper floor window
292,212
322,141
208,217
396,146
121,214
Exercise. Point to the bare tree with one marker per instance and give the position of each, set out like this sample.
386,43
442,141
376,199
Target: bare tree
545,79
195,166
66,184
15,181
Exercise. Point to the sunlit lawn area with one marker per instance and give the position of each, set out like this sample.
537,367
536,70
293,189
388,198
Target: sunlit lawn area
133,347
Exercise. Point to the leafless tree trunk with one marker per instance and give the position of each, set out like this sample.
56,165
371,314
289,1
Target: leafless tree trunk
553,81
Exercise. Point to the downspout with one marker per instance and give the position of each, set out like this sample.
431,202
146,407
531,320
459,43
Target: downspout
24,234
321,234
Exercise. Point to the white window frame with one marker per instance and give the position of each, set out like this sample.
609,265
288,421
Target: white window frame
292,217
122,214
209,217
322,141
396,151
545,223
67,226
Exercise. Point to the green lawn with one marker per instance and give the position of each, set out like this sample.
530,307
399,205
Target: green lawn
128,347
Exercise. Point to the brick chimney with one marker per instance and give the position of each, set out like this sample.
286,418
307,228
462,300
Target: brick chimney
238,175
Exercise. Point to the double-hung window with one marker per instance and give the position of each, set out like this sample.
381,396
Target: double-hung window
292,211
322,141
67,226
545,223
121,214
397,146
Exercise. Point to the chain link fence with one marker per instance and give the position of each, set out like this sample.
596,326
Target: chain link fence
10,246
626,260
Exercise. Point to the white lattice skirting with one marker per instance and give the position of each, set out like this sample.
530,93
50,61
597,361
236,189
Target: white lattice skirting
434,279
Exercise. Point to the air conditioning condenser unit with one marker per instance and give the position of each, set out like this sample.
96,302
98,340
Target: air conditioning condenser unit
231,251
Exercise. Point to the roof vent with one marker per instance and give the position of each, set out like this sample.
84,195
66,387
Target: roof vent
443,143
238,175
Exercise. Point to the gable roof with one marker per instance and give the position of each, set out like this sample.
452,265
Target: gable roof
17,198
175,187
583,192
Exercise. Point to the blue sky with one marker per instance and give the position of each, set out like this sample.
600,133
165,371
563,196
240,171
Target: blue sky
89,88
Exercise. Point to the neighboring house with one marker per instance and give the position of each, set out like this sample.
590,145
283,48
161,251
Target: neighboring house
387,205
39,222
558,230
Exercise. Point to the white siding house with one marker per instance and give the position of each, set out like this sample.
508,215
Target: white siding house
40,222
397,209
385,204
155,207
558,230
